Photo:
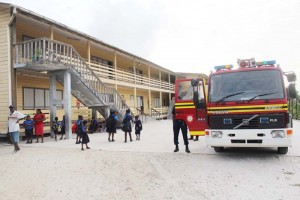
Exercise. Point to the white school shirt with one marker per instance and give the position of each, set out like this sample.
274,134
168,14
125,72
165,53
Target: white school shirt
12,122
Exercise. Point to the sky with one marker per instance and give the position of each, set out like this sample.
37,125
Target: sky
186,35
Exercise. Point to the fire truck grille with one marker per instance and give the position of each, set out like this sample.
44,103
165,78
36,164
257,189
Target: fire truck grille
265,121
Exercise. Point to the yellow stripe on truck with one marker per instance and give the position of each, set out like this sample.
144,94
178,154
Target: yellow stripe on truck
201,133
182,107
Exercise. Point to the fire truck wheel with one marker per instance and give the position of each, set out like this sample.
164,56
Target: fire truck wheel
283,150
219,149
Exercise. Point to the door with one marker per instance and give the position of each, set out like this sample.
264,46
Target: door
185,108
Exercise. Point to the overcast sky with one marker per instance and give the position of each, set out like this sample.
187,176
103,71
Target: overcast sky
187,35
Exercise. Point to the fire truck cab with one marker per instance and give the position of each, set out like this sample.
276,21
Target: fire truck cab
194,114
247,106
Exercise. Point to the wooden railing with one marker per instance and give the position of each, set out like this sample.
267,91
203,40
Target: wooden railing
118,74
43,50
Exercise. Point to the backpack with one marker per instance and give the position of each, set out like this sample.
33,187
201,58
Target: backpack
126,126
110,122
79,128
138,126
54,126
74,128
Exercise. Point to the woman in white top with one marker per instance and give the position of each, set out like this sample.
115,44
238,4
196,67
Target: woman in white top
13,126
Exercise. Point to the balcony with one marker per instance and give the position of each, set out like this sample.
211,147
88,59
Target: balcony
125,77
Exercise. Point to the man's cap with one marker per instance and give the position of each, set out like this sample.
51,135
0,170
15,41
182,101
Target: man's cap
11,106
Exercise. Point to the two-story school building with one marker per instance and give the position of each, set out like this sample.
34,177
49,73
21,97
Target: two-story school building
45,64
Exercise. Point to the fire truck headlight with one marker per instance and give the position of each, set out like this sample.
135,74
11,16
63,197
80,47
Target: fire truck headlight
278,134
216,134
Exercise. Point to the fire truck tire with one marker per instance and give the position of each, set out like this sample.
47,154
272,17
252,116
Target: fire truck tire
218,149
283,150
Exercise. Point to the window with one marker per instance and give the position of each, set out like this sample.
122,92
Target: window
38,98
156,102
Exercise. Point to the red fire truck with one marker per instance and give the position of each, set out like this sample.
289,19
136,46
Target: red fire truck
243,107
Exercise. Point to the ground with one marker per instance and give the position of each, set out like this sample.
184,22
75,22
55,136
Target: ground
147,169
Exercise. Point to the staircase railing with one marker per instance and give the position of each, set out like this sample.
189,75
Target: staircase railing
45,50
155,114
142,115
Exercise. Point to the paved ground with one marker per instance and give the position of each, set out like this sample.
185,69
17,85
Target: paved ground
147,169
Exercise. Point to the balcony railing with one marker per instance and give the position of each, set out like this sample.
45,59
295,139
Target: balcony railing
109,72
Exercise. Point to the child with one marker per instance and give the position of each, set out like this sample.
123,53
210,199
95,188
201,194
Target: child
62,128
111,123
138,127
85,137
55,125
28,125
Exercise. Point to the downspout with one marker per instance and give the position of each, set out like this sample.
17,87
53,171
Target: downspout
10,50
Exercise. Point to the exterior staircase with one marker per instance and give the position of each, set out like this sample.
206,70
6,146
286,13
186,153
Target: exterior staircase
44,54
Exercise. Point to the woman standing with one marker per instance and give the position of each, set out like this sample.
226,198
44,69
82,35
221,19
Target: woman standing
85,137
127,125
39,119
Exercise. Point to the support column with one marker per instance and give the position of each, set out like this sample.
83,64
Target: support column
89,51
51,33
160,99
115,60
134,92
134,72
94,113
67,103
159,79
52,94
170,100
150,100
149,75
106,112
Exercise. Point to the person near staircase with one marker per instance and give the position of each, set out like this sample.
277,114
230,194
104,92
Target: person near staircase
63,128
79,129
126,125
111,123
39,119
138,127
177,125
85,138
13,126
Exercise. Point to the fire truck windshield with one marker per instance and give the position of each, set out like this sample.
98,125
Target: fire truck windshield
246,86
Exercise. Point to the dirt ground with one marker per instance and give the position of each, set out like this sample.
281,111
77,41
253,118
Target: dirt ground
147,169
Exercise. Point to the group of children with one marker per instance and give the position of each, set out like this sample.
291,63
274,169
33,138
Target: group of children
81,128
111,123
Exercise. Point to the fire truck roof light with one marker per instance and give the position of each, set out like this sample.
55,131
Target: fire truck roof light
270,62
223,67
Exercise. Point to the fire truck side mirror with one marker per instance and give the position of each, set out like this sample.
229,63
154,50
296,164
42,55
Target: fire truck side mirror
194,82
292,91
291,76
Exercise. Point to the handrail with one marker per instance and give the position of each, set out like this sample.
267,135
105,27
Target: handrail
156,113
142,114
45,49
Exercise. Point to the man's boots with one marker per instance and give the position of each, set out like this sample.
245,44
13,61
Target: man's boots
187,149
176,148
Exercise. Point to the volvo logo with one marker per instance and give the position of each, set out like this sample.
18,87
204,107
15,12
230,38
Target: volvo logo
245,122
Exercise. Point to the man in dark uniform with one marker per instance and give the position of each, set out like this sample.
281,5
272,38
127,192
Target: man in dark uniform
177,125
